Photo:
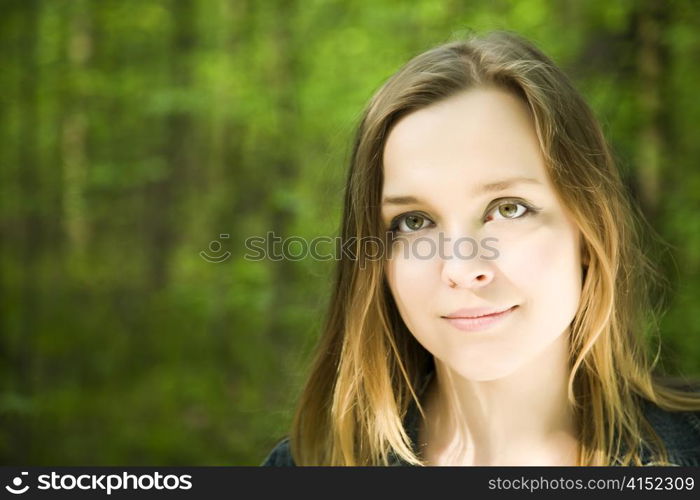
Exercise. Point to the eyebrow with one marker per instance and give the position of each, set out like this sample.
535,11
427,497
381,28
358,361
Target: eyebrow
491,187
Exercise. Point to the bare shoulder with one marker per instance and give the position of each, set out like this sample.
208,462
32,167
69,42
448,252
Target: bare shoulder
280,456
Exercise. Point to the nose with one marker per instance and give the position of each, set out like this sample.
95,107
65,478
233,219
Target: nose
467,272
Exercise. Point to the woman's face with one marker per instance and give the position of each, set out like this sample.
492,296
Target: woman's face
476,235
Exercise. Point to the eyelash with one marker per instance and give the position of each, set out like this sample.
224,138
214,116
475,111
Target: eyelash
529,211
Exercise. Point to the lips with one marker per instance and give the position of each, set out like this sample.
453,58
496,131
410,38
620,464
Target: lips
478,319
476,312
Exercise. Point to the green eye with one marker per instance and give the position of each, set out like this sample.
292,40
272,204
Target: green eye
414,222
511,209
408,223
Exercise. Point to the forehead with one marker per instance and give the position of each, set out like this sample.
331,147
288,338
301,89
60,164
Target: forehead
477,136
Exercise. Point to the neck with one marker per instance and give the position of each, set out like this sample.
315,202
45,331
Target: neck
523,418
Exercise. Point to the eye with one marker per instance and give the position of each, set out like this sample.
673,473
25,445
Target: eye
408,223
510,209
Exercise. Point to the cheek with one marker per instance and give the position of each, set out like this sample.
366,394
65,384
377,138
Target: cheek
407,277
545,265
410,280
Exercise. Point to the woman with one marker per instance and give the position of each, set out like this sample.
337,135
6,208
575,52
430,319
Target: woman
506,322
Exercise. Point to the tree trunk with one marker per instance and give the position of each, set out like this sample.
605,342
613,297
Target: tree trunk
652,60
284,69
74,136
163,197
31,237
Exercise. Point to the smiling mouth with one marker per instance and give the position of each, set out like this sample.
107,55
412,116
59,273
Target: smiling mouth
476,323
485,315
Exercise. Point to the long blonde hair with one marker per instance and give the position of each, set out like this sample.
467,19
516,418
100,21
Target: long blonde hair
367,365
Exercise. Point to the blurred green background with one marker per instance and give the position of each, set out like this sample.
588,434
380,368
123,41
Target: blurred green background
136,132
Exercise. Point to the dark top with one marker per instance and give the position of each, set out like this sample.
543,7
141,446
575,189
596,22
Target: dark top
680,432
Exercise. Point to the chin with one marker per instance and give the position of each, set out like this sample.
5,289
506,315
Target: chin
482,371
